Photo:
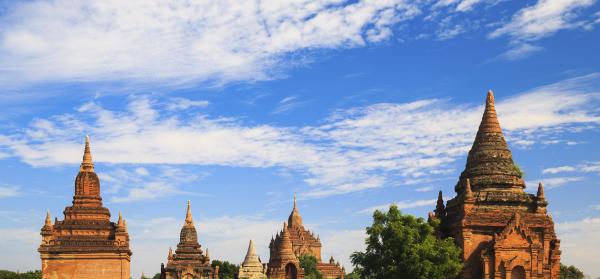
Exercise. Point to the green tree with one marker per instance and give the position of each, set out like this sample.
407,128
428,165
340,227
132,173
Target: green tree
309,264
156,276
355,274
227,270
570,272
5,274
403,246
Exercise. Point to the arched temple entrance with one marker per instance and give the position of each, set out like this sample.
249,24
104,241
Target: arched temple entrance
518,273
290,271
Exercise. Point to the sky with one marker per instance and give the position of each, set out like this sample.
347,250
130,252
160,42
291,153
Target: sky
237,105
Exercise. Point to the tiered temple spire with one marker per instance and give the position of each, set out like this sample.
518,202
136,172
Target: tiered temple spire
490,165
490,199
85,238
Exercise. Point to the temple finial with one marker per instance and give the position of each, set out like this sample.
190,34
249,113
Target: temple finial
294,199
490,98
468,191
439,208
188,215
48,221
170,256
120,221
87,164
540,191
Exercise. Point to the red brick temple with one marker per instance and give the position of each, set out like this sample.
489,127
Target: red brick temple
86,244
504,232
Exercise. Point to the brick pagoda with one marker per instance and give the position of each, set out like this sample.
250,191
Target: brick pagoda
252,268
504,232
304,243
189,261
86,244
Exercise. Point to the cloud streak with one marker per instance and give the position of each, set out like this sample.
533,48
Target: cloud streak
353,150
158,40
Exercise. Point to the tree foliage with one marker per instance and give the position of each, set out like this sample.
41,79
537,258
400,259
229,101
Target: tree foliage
309,264
570,272
402,246
5,274
227,270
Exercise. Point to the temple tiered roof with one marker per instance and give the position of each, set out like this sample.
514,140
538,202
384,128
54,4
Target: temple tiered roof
189,257
490,165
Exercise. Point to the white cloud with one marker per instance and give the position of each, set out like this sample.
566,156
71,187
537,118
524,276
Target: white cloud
520,51
579,242
287,104
401,205
424,189
9,191
467,5
588,167
161,40
183,104
143,185
555,182
353,150
543,19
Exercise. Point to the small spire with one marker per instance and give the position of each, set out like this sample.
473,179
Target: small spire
125,225
251,249
48,221
170,256
188,215
540,191
207,254
120,222
468,191
490,98
87,164
294,199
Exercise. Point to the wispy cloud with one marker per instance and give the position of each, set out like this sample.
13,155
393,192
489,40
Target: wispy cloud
287,104
400,204
183,104
353,150
520,51
584,167
424,189
543,19
148,186
9,191
157,40
555,182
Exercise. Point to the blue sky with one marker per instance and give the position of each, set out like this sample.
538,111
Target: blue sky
235,106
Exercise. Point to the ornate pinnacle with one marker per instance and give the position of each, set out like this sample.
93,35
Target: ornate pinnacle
294,199
120,222
188,215
207,255
87,164
468,191
251,249
540,191
48,221
439,208
170,256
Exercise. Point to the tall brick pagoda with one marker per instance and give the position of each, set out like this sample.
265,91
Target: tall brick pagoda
86,244
189,261
304,243
504,232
